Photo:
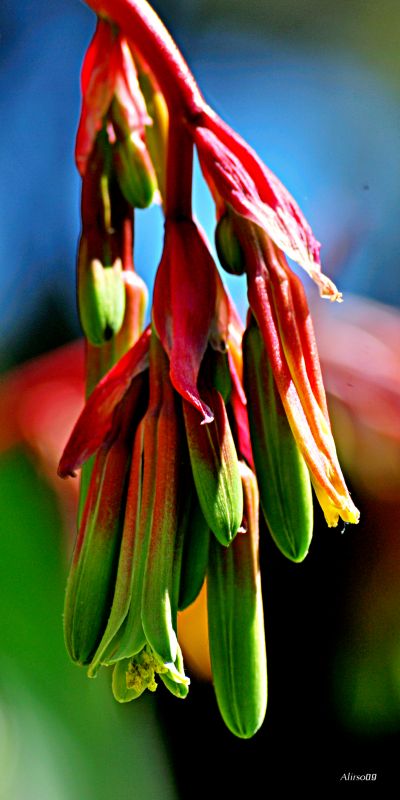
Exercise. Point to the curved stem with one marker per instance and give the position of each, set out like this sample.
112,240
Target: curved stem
178,200
140,23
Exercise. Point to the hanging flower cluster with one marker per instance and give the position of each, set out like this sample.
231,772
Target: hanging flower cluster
190,419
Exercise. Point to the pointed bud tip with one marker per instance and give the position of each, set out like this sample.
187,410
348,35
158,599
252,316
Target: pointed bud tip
64,471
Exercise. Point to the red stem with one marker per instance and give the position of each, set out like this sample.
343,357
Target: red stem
139,22
178,201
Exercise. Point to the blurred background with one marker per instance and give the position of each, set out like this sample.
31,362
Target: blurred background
315,88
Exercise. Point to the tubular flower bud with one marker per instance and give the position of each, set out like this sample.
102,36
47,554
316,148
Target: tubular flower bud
295,366
131,637
101,300
193,567
236,622
283,478
228,247
123,582
136,297
158,612
92,574
134,170
215,468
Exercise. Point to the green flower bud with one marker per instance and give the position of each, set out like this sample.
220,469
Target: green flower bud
134,170
229,250
283,478
101,298
194,557
91,579
236,622
215,467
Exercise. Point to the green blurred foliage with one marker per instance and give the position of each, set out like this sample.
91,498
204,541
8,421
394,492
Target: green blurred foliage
62,737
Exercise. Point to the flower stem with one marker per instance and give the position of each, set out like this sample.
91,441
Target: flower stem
178,202
140,23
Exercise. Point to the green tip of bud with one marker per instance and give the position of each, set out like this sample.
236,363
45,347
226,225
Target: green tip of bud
236,631
135,172
228,247
101,297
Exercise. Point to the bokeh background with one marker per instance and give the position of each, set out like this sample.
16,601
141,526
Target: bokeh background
315,87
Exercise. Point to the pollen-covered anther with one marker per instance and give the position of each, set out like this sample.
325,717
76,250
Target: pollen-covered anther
141,671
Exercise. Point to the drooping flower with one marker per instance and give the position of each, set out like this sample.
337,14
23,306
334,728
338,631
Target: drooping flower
260,220
185,478
169,498
244,183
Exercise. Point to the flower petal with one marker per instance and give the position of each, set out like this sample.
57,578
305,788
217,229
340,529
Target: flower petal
183,307
253,191
95,421
321,461
97,86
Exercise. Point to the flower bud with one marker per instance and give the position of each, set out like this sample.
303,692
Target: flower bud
130,638
92,575
193,566
158,611
283,477
123,583
215,468
101,297
134,170
236,622
135,311
229,251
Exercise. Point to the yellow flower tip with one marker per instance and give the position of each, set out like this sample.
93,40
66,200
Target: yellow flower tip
333,512
351,514
327,288
348,513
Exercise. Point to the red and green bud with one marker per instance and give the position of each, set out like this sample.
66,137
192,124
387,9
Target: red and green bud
286,343
95,424
123,583
158,612
215,467
136,298
91,580
130,638
283,477
236,622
